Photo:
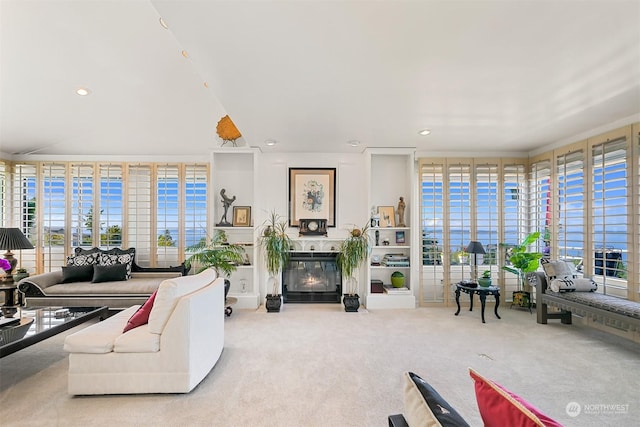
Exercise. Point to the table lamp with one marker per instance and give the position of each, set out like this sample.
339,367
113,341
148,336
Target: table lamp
475,248
11,239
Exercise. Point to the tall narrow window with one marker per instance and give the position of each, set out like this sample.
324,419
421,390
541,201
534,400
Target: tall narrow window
53,213
111,201
514,205
195,204
459,220
432,219
23,195
3,193
84,214
140,213
570,212
168,213
609,229
486,210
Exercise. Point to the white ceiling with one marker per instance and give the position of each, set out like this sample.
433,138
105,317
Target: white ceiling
482,75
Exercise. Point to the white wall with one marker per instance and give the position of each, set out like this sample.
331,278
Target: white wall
272,192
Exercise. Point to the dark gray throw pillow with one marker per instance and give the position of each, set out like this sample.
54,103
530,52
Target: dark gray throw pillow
109,273
77,273
423,405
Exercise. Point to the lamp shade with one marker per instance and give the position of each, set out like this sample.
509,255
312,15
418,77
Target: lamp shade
475,248
12,238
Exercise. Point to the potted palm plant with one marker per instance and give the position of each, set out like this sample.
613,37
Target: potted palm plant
522,262
277,246
218,254
352,253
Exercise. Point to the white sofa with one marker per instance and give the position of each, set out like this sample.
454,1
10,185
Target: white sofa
172,353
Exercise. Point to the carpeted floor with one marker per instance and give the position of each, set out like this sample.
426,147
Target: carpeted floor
315,365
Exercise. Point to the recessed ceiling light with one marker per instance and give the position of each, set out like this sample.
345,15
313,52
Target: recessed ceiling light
164,24
353,142
425,132
206,85
83,91
185,54
270,142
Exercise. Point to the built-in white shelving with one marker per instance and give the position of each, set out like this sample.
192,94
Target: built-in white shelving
233,169
391,177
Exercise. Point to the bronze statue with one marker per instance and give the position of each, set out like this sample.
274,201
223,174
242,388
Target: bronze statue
226,202
400,211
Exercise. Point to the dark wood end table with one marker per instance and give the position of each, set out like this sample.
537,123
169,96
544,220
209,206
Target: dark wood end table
482,293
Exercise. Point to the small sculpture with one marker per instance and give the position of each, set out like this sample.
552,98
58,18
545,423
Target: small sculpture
226,202
400,211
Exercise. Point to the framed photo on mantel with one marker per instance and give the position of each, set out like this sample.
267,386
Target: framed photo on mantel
312,195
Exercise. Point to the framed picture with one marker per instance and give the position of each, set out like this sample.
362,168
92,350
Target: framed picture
400,237
242,216
387,216
312,195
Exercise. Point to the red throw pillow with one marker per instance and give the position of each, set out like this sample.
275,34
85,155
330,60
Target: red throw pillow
141,316
500,407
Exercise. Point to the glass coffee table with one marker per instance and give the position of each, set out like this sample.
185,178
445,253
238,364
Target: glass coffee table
42,323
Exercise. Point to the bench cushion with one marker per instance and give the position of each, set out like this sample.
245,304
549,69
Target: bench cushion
604,302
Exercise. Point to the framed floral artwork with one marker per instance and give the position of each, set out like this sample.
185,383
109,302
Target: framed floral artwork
312,195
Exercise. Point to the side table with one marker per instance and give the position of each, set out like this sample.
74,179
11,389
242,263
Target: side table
482,293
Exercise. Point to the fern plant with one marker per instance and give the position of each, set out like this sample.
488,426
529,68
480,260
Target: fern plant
277,247
217,254
353,251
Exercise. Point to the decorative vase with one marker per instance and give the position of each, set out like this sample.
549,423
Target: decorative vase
397,279
351,303
484,283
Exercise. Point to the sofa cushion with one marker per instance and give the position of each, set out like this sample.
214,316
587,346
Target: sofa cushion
77,273
99,337
557,269
84,257
109,273
170,291
118,256
573,285
423,406
141,317
137,340
500,407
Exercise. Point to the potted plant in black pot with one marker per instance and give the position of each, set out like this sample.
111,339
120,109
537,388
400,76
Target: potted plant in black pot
277,247
522,262
218,254
353,251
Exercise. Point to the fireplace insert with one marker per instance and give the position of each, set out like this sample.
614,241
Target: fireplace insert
312,277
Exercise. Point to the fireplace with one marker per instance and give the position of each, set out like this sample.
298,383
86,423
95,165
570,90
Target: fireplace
312,277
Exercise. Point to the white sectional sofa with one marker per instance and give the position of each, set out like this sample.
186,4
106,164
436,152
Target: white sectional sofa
172,353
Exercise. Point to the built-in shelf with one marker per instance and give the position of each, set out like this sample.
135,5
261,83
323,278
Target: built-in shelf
383,191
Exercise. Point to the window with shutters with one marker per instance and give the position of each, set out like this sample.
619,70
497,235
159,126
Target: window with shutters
609,233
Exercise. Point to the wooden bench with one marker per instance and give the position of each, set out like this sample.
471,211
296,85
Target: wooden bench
606,310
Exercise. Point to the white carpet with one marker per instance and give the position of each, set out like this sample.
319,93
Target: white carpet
315,365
